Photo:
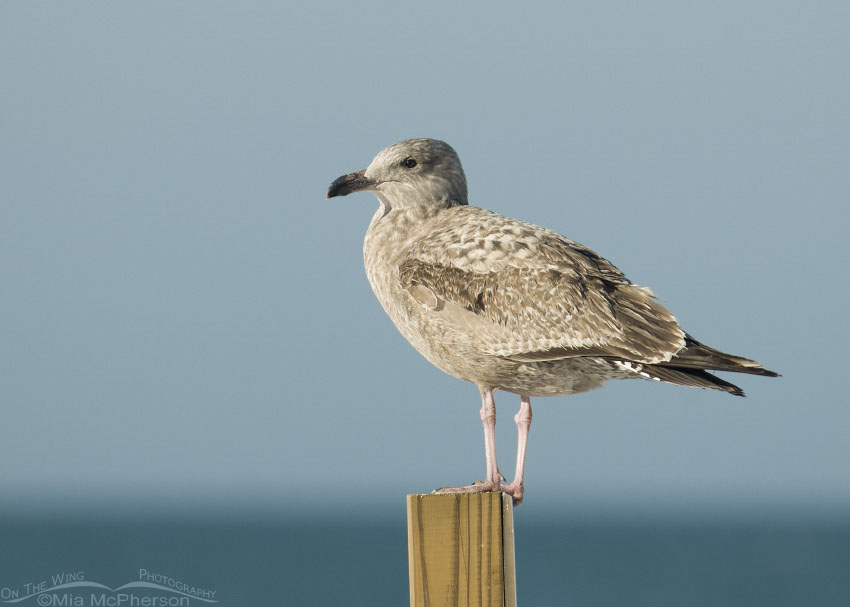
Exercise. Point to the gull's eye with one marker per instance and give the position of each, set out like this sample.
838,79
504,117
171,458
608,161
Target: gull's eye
409,162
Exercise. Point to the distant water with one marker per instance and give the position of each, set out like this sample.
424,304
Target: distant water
615,564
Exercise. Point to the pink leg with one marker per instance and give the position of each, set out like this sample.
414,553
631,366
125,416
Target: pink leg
488,419
523,425
494,477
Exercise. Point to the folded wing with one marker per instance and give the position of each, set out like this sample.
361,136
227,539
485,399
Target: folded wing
535,296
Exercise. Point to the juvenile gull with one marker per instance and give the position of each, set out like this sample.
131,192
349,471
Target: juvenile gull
508,305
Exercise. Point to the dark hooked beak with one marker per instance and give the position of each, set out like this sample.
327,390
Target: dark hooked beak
353,182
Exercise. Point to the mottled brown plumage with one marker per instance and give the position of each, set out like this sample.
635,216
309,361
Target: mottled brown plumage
509,305
553,298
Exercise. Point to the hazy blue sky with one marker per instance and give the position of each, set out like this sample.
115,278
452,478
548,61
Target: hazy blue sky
184,316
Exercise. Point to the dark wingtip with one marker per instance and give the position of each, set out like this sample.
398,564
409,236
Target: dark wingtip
754,371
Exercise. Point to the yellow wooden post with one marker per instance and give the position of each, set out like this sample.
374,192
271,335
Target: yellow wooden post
461,550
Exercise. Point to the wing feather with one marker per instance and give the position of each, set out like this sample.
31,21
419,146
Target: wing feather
539,295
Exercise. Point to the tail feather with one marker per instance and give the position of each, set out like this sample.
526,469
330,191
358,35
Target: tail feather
691,377
691,365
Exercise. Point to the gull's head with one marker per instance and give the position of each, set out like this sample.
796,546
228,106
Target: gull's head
414,171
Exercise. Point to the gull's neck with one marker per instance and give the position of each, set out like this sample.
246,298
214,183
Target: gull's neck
395,224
